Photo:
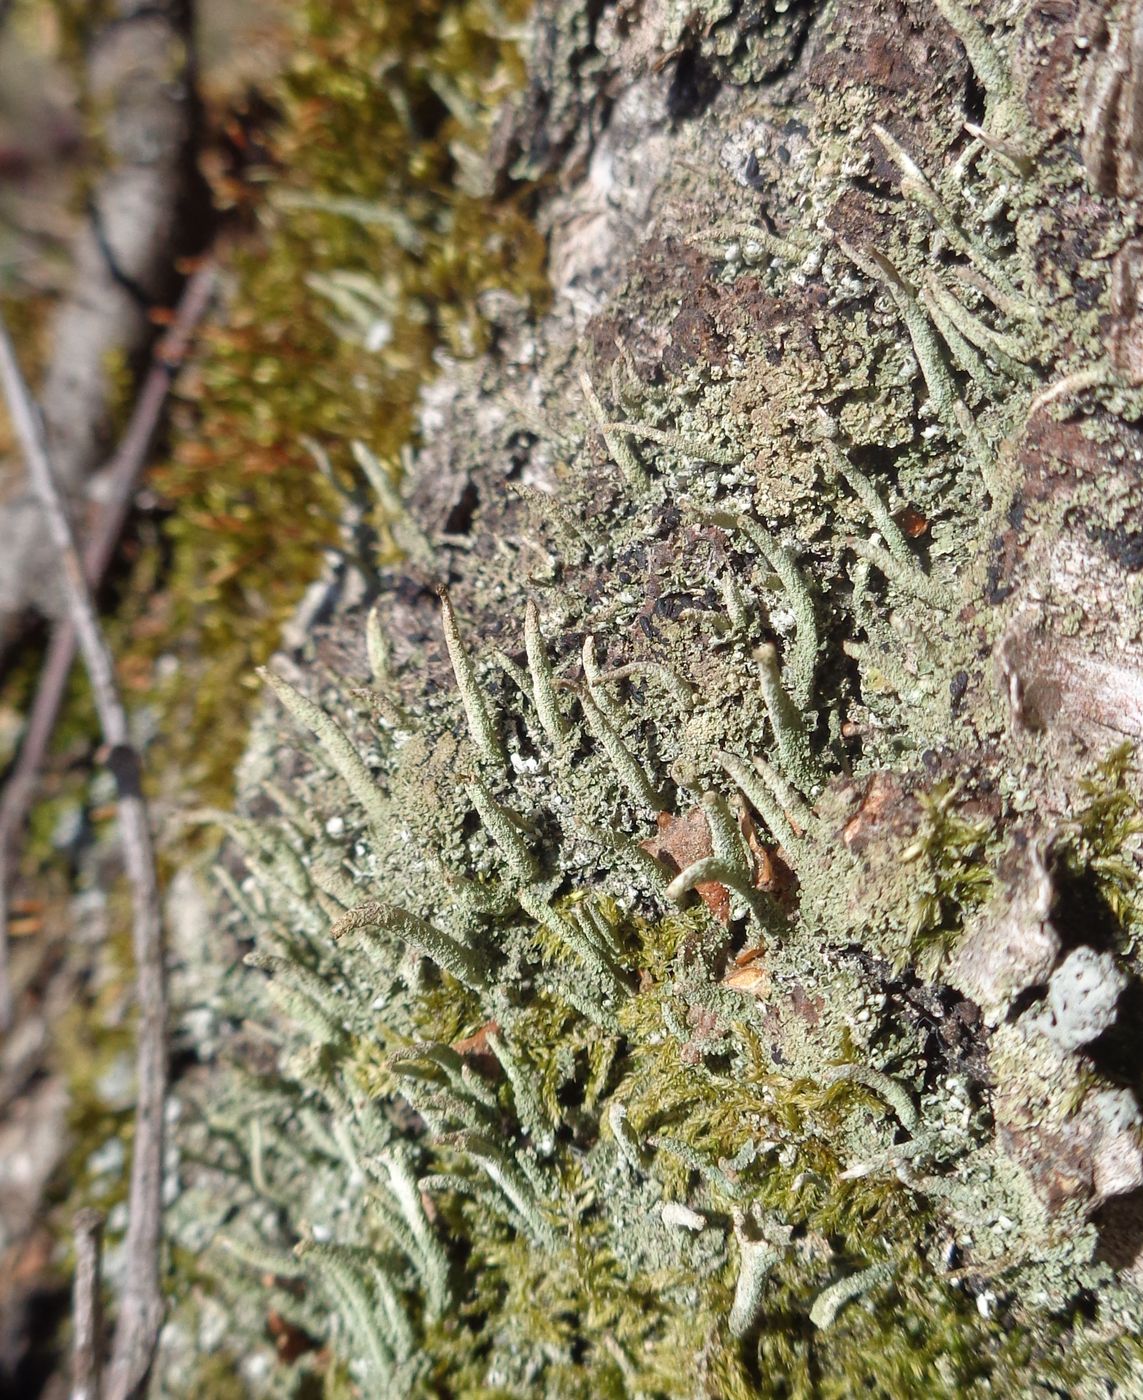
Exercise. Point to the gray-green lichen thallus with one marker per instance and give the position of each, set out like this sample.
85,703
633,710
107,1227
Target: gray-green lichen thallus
695,891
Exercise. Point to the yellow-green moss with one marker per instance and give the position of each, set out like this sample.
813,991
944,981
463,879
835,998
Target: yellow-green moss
362,129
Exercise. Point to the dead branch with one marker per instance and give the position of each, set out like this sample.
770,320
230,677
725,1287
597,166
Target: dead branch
140,1302
122,476
87,1362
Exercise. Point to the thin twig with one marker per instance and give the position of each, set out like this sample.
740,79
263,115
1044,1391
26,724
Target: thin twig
121,476
87,1319
140,1303
140,71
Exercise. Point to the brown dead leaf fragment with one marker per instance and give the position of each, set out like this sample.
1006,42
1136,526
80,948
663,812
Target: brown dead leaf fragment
912,522
771,873
748,973
678,843
885,809
290,1342
475,1049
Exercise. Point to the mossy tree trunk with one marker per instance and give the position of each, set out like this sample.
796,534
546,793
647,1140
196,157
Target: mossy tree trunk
723,902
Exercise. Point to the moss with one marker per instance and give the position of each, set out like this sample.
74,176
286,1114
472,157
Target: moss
92,1041
215,1376
332,326
1098,848
951,862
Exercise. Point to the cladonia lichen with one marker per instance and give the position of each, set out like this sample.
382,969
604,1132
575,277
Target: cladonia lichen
715,747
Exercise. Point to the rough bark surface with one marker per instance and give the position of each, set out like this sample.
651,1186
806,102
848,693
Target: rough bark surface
792,559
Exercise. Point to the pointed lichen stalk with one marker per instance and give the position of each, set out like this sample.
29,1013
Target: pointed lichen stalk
262,1257
621,454
799,763
732,231
429,1062
481,723
915,186
432,1256
407,532
797,589
726,839
680,690
504,1173
713,870
869,497
908,577
572,537
763,802
462,962
603,974
377,647
1009,353
335,744
734,602
938,379
606,934
668,437
627,767
503,830
593,678
302,984
543,684
730,848
337,1272
964,353
806,639
894,1093
625,1139
986,62
756,1259
400,1326
280,863
831,1300
525,1093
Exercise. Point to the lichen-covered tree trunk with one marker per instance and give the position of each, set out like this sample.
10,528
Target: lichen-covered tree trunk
694,884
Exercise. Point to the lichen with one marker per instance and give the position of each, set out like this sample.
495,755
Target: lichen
720,1124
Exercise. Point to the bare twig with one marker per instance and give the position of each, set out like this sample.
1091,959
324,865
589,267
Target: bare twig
122,476
140,1302
139,75
87,1363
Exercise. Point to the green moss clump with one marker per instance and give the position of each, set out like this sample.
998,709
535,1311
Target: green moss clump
330,329
952,859
1098,850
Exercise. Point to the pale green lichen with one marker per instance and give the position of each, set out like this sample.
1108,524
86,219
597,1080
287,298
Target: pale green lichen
796,1079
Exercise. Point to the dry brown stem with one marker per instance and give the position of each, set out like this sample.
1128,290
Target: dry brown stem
122,476
139,85
140,1302
87,1362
